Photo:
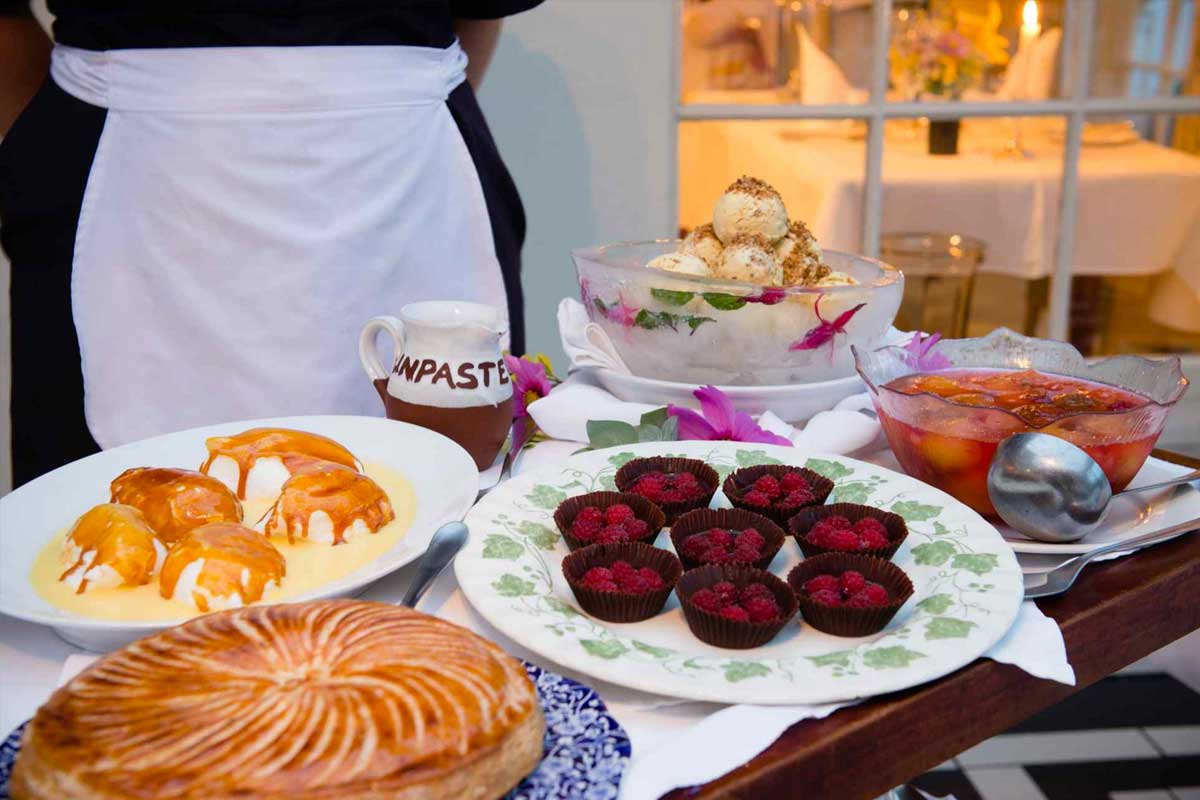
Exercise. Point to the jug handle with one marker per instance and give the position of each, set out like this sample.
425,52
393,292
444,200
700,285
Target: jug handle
368,350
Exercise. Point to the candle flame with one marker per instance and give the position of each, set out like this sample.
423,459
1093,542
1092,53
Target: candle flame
1029,15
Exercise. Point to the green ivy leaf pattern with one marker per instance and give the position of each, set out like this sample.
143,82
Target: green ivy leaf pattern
912,511
497,545
621,459
841,658
546,497
671,297
541,536
651,650
558,605
947,628
736,671
604,648
939,529
936,603
830,469
724,302
856,492
895,657
933,554
608,483
511,586
754,458
979,563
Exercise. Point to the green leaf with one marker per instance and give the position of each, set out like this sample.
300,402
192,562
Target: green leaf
895,657
499,546
913,511
652,320
754,458
856,492
651,650
670,429
695,322
724,302
743,670
621,459
650,433
604,648
558,605
839,659
947,628
512,586
979,563
936,603
671,297
610,433
542,536
933,554
546,497
830,469
656,417
600,305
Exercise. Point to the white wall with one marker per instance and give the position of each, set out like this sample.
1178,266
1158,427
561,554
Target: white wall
579,98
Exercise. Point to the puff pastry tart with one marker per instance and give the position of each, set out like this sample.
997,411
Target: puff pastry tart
220,565
328,503
110,545
318,700
257,462
175,500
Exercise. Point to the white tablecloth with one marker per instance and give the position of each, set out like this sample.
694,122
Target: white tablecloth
1139,204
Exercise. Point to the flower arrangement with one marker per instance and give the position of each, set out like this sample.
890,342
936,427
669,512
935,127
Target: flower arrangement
532,379
942,54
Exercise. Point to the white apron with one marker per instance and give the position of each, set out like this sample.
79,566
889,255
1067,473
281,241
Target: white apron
248,209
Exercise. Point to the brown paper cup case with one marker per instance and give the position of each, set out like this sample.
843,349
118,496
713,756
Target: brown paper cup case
705,519
627,475
643,509
619,606
840,620
740,481
802,523
721,632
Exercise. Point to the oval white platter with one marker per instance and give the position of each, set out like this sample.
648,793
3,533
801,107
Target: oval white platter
968,589
443,477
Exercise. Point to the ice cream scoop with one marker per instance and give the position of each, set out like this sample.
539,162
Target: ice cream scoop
800,256
750,207
750,259
703,243
835,278
682,263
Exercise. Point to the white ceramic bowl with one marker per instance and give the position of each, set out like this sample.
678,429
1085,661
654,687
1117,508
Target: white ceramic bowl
442,475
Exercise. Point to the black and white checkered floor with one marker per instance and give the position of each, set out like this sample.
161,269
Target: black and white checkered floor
1133,737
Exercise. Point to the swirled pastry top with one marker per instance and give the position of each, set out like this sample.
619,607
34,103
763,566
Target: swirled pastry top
280,452
328,698
328,503
175,500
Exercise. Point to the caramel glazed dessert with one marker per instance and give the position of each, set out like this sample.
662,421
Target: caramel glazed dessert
305,701
750,239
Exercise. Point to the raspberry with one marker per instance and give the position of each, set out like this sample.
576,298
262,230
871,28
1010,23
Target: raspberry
822,583
745,553
726,591
877,594
797,497
735,613
613,534
650,485
653,580
687,482
872,540
695,547
793,481
599,574
851,582
761,609
637,528
635,585
753,590
756,498
622,570
718,537
860,600
708,600
618,514
841,540
587,523
751,538
826,597
768,485
819,533
870,524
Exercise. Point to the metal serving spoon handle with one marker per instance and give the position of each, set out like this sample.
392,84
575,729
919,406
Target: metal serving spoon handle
444,545
1188,478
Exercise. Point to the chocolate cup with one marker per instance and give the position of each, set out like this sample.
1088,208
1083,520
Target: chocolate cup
643,509
740,481
720,632
708,477
841,620
802,523
703,519
618,606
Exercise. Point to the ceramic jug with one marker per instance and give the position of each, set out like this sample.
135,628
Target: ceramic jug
447,373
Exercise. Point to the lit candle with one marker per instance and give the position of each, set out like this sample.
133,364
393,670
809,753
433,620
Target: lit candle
1030,27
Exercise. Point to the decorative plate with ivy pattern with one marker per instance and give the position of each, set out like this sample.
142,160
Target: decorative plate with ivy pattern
968,589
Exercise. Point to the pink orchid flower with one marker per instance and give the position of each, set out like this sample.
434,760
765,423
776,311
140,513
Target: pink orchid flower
920,356
622,313
718,420
769,296
826,331
530,382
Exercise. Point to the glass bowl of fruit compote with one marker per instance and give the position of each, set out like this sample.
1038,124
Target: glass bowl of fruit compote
945,410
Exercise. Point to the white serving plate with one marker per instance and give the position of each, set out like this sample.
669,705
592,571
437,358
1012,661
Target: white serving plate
1129,517
791,403
968,590
442,475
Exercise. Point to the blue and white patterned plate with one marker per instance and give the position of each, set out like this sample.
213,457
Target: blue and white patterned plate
585,749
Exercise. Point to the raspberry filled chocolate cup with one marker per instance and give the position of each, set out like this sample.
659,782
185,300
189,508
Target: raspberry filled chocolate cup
817,530
847,618
776,491
676,485
697,543
730,605
613,593
639,519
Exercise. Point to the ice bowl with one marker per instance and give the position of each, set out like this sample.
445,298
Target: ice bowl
694,330
950,444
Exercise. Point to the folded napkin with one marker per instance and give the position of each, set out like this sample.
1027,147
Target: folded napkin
585,343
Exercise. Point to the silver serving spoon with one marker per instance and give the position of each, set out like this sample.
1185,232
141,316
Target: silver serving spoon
1050,490
444,545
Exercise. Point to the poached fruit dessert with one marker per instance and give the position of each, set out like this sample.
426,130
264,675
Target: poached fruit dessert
174,501
257,462
221,565
110,545
328,503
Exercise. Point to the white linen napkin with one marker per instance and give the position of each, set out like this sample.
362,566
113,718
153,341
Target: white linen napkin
585,343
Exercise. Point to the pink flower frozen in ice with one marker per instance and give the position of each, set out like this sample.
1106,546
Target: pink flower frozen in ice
827,330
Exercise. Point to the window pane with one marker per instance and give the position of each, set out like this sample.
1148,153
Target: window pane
1145,48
